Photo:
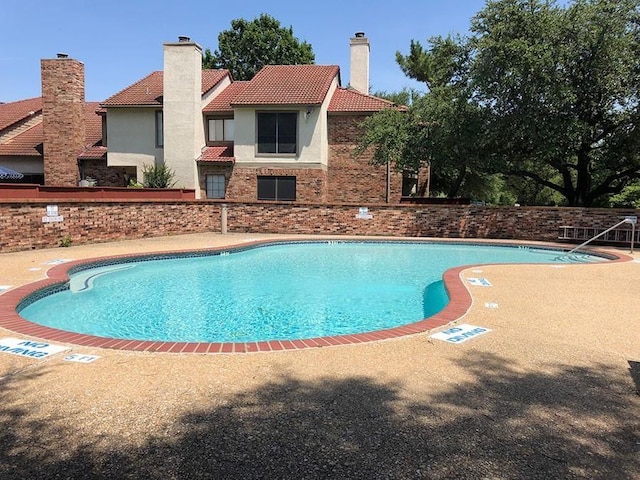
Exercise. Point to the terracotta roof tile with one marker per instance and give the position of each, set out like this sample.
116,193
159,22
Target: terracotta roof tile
217,154
93,123
222,103
25,144
288,85
210,78
349,100
29,142
149,90
13,112
144,92
95,152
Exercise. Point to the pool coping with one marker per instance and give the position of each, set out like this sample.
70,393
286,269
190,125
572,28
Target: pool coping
459,304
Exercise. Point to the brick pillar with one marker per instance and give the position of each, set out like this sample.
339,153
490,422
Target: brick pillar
63,119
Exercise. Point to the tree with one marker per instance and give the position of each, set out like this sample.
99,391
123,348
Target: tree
443,129
561,86
249,46
537,92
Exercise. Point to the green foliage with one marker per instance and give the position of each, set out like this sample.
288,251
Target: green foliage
406,97
66,241
628,198
546,96
389,133
249,46
561,84
158,176
443,129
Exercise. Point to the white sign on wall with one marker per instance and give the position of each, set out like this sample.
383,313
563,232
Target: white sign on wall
52,215
363,213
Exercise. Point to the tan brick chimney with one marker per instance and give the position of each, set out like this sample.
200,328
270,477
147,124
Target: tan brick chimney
63,120
359,69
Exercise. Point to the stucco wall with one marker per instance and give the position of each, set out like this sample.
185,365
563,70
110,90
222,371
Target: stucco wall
182,105
131,138
96,221
24,164
312,136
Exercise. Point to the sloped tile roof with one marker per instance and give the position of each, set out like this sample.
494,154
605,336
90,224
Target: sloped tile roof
25,144
149,90
217,154
222,103
13,112
210,78
288,85
93,123
95,152
93,132
29,142
351,101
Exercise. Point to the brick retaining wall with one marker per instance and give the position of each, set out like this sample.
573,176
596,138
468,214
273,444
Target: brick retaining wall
21,226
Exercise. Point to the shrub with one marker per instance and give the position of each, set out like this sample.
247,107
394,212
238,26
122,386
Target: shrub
158,176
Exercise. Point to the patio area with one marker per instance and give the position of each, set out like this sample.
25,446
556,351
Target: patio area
552,391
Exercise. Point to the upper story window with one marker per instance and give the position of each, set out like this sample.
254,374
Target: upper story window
104,130
159,131
220,129
277,132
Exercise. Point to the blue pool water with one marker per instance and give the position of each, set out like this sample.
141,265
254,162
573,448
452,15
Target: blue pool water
282,291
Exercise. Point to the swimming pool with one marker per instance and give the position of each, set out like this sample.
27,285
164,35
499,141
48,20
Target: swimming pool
277,292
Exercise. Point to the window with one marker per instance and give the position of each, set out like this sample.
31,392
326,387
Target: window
277,188
215,186
277,132
221,130
104,130
159,132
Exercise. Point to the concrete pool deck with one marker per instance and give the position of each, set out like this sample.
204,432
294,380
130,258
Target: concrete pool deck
550,392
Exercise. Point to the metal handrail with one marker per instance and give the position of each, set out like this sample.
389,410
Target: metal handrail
626,220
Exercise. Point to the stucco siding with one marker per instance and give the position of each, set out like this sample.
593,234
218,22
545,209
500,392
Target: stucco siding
30,165
131,138
311,146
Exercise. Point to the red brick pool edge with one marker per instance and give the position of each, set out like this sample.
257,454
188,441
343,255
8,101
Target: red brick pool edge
459,303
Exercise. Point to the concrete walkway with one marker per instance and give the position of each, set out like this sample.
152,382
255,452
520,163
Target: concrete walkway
550,392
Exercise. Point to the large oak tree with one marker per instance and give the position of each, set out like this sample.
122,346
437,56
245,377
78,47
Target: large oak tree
538,91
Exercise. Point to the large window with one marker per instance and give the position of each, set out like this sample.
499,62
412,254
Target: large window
159,132
276,188
221,130
215,186
277,132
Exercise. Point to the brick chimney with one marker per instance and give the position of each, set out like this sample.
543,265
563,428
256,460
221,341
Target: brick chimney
359,71
63,120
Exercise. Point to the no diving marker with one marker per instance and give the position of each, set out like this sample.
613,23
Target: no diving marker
29,348
460,333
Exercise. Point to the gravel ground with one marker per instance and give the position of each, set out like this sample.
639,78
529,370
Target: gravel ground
551,392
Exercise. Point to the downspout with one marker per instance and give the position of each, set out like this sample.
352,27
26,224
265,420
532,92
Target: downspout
388,181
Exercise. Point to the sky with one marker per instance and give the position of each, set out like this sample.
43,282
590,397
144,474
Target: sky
120,42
